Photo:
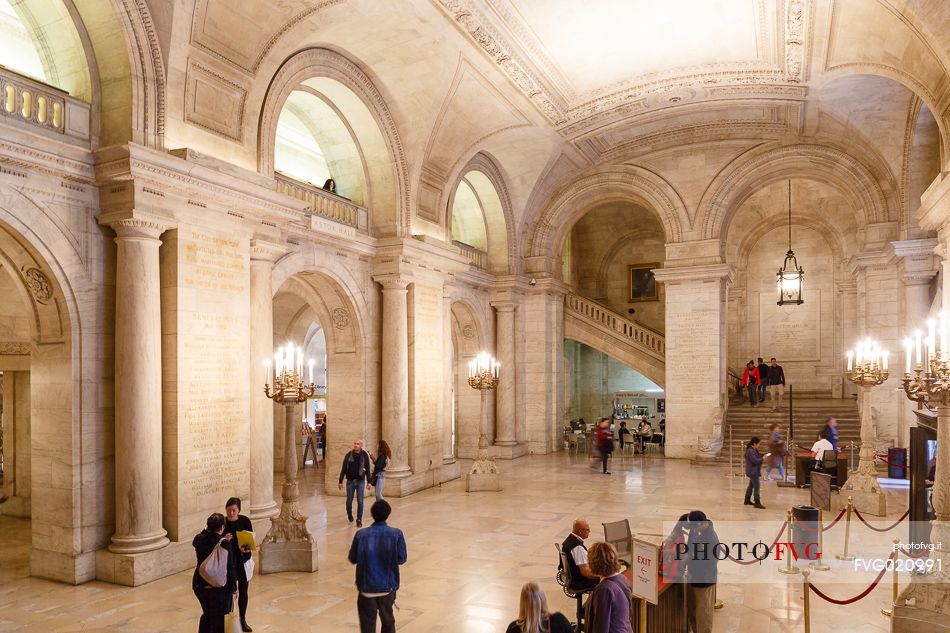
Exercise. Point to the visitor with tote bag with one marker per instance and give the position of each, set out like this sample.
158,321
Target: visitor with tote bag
215,579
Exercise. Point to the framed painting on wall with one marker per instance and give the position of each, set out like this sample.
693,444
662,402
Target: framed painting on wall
641,285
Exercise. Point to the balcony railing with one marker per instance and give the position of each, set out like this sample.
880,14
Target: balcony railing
324,204
37,104
477,257
626,328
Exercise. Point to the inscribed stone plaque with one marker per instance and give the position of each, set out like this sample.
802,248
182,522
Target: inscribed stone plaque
790,333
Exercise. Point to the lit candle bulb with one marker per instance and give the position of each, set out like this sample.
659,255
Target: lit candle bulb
850,360
917,337
267,379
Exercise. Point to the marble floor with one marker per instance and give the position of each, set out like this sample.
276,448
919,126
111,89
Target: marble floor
468,557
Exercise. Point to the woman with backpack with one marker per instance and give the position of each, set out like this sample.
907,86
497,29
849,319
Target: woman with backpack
215,579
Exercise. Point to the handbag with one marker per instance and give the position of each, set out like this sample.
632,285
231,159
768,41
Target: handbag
249,568
214,568
232,621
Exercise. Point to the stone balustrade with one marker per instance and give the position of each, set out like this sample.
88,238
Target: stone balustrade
476,256
637,334
36,104
323,203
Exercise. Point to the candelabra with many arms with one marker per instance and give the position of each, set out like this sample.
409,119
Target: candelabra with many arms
288,546
867,368
483,375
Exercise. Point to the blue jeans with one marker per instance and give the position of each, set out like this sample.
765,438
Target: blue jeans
753,488
380,480
781,470
358,486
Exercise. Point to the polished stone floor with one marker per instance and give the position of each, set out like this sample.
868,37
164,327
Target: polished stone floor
468,556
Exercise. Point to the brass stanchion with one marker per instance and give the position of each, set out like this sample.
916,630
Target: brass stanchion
847,531
807,601
719,604
819,565
894,585
789,568
643,615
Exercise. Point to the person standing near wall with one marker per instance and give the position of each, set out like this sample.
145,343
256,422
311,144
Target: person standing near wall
234,523
383,456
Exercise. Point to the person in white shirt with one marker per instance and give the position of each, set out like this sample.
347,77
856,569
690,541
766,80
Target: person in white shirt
818,448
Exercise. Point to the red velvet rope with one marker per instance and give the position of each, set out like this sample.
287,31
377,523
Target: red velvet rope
888,528
920,554
756,560
884,459
833,523
827,598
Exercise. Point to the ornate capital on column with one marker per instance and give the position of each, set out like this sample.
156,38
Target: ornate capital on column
504,306
392,282
870,259
264,251
137,226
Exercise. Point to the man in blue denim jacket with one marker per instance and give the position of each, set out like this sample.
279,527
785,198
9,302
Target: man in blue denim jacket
377,552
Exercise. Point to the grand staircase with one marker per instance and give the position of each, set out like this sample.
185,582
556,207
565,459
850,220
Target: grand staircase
809,415
597,326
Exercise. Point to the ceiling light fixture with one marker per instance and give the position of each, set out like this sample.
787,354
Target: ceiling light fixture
791,276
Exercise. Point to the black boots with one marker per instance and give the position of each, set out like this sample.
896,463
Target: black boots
245,627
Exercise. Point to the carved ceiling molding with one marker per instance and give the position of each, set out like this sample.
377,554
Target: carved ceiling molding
15,349
205,86
509,43
622,182
148,69
769,163
199,39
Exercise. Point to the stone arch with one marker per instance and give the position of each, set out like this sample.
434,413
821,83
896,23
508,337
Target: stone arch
613,249
805,220
495,198
764,165
48,274
469,338
389,206
623,182
906,79
329,296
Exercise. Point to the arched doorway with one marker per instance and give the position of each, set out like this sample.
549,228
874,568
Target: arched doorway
468,340
315,310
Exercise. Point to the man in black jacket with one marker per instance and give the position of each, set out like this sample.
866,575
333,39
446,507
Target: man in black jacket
763,378
702,572
355,469
776,384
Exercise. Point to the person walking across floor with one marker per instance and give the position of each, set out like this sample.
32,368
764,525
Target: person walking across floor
377,552
753,470
778,449
605,442
763,378
702,570
533,614
384,455
608,608
751,380
776,384
216,602
831,426
236,522
355,469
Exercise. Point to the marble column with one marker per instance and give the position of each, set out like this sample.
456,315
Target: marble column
138,389
505,396
395,374
262,504
448,353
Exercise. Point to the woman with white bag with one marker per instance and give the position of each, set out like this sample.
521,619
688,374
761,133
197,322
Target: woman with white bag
215,578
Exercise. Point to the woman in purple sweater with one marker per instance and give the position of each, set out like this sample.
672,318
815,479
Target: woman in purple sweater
608,608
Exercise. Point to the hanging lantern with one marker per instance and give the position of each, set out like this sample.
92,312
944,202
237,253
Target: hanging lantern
791,277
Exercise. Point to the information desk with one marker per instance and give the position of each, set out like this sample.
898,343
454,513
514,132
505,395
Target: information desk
668,615
803,462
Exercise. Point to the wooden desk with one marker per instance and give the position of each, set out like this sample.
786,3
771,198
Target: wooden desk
667,615
802,474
